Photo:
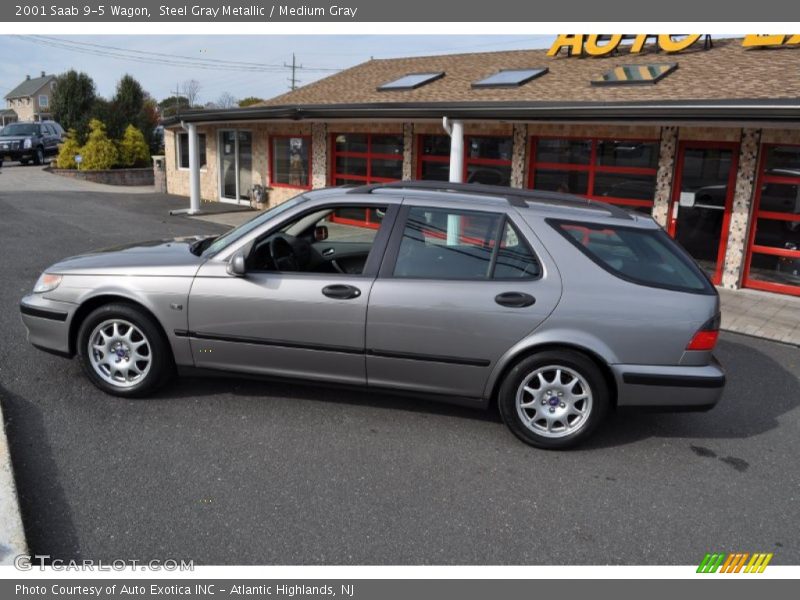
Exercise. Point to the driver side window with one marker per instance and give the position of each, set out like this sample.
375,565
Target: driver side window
336,239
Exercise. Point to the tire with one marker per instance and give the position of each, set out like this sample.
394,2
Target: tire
24,162
38,159
129,355
571,374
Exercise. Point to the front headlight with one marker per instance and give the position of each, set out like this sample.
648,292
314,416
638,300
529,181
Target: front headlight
27,143
47,282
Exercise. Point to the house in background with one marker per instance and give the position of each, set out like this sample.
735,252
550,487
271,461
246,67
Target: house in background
30,100
7,115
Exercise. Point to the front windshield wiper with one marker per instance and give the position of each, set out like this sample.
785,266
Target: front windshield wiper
200,245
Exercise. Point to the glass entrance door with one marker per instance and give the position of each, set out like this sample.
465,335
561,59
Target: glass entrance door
702,197
235,166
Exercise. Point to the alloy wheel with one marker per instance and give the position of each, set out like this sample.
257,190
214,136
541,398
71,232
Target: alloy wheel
554,401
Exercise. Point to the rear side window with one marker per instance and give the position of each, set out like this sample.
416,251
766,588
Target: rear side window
454,244
644,256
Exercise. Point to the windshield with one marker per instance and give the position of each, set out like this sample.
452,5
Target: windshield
20,129
228,238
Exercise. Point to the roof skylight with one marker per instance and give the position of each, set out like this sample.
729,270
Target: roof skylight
510,77
411,81
636,74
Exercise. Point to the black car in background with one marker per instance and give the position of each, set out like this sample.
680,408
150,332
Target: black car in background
30,142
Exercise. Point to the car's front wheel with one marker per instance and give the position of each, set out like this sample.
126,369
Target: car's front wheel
123,351
553,399
38,158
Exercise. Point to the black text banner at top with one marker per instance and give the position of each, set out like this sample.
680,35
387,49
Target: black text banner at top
441,11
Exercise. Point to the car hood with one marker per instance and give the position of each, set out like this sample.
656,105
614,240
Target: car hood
170,257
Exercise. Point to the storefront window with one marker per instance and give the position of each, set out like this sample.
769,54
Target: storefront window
774,256
183,150
433,163
291,161
361,158
487,159
615,171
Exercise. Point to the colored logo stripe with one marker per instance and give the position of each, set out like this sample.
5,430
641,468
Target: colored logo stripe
734,562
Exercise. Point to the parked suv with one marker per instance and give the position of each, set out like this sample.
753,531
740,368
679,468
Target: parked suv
557,307
28,142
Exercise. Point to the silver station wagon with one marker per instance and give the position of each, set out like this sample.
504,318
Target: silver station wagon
556,307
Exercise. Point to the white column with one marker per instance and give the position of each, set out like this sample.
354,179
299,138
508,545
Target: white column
194,168
456,131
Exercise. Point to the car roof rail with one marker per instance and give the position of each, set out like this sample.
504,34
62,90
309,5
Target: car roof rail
514,196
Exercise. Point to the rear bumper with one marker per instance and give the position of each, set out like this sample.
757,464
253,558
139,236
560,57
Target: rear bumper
47,322
669,388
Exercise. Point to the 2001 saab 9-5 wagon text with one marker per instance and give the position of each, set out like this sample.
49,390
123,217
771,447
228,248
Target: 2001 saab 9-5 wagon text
557,307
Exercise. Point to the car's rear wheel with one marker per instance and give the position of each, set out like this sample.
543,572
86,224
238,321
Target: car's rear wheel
553,399
123,351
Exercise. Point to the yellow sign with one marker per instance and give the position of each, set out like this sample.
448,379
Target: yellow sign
603,45
755,40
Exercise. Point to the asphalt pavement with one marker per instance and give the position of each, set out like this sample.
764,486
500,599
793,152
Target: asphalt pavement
225,471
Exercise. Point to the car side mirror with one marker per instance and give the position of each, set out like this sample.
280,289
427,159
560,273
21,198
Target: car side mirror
236,265
320,233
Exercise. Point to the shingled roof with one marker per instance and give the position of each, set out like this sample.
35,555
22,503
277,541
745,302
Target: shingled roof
725,72
29,87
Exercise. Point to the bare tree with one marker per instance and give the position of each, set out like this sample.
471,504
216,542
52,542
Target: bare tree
226,100
191,89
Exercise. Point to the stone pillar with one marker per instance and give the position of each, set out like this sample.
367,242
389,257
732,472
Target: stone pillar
742,203
666,170
409,158
319,155
519,155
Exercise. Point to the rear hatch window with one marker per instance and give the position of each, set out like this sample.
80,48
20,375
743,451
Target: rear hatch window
643,256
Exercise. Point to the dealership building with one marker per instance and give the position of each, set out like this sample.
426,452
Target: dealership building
702,135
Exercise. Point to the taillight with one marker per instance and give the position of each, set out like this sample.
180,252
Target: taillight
706,337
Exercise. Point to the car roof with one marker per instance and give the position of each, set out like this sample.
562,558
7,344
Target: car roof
553,204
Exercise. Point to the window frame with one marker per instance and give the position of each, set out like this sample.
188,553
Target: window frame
368,156
392,251
271,158
468,161
593,168
46,104
179,145
756,213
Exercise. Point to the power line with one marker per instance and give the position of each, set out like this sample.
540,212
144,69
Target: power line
160,58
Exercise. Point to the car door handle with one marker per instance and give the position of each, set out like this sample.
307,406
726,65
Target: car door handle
328,252
514,299
341,292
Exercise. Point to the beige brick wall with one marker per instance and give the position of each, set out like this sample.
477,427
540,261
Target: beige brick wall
709,134
23,107
780,136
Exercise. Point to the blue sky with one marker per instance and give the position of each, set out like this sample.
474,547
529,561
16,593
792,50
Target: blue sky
24,56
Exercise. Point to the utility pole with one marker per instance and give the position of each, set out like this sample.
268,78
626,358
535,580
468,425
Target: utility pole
177,94
294,66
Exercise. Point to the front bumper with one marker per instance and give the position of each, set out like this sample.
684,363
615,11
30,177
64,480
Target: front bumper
15,155
47,322
669,388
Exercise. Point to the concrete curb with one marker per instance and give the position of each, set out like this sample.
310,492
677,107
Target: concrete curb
12,535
